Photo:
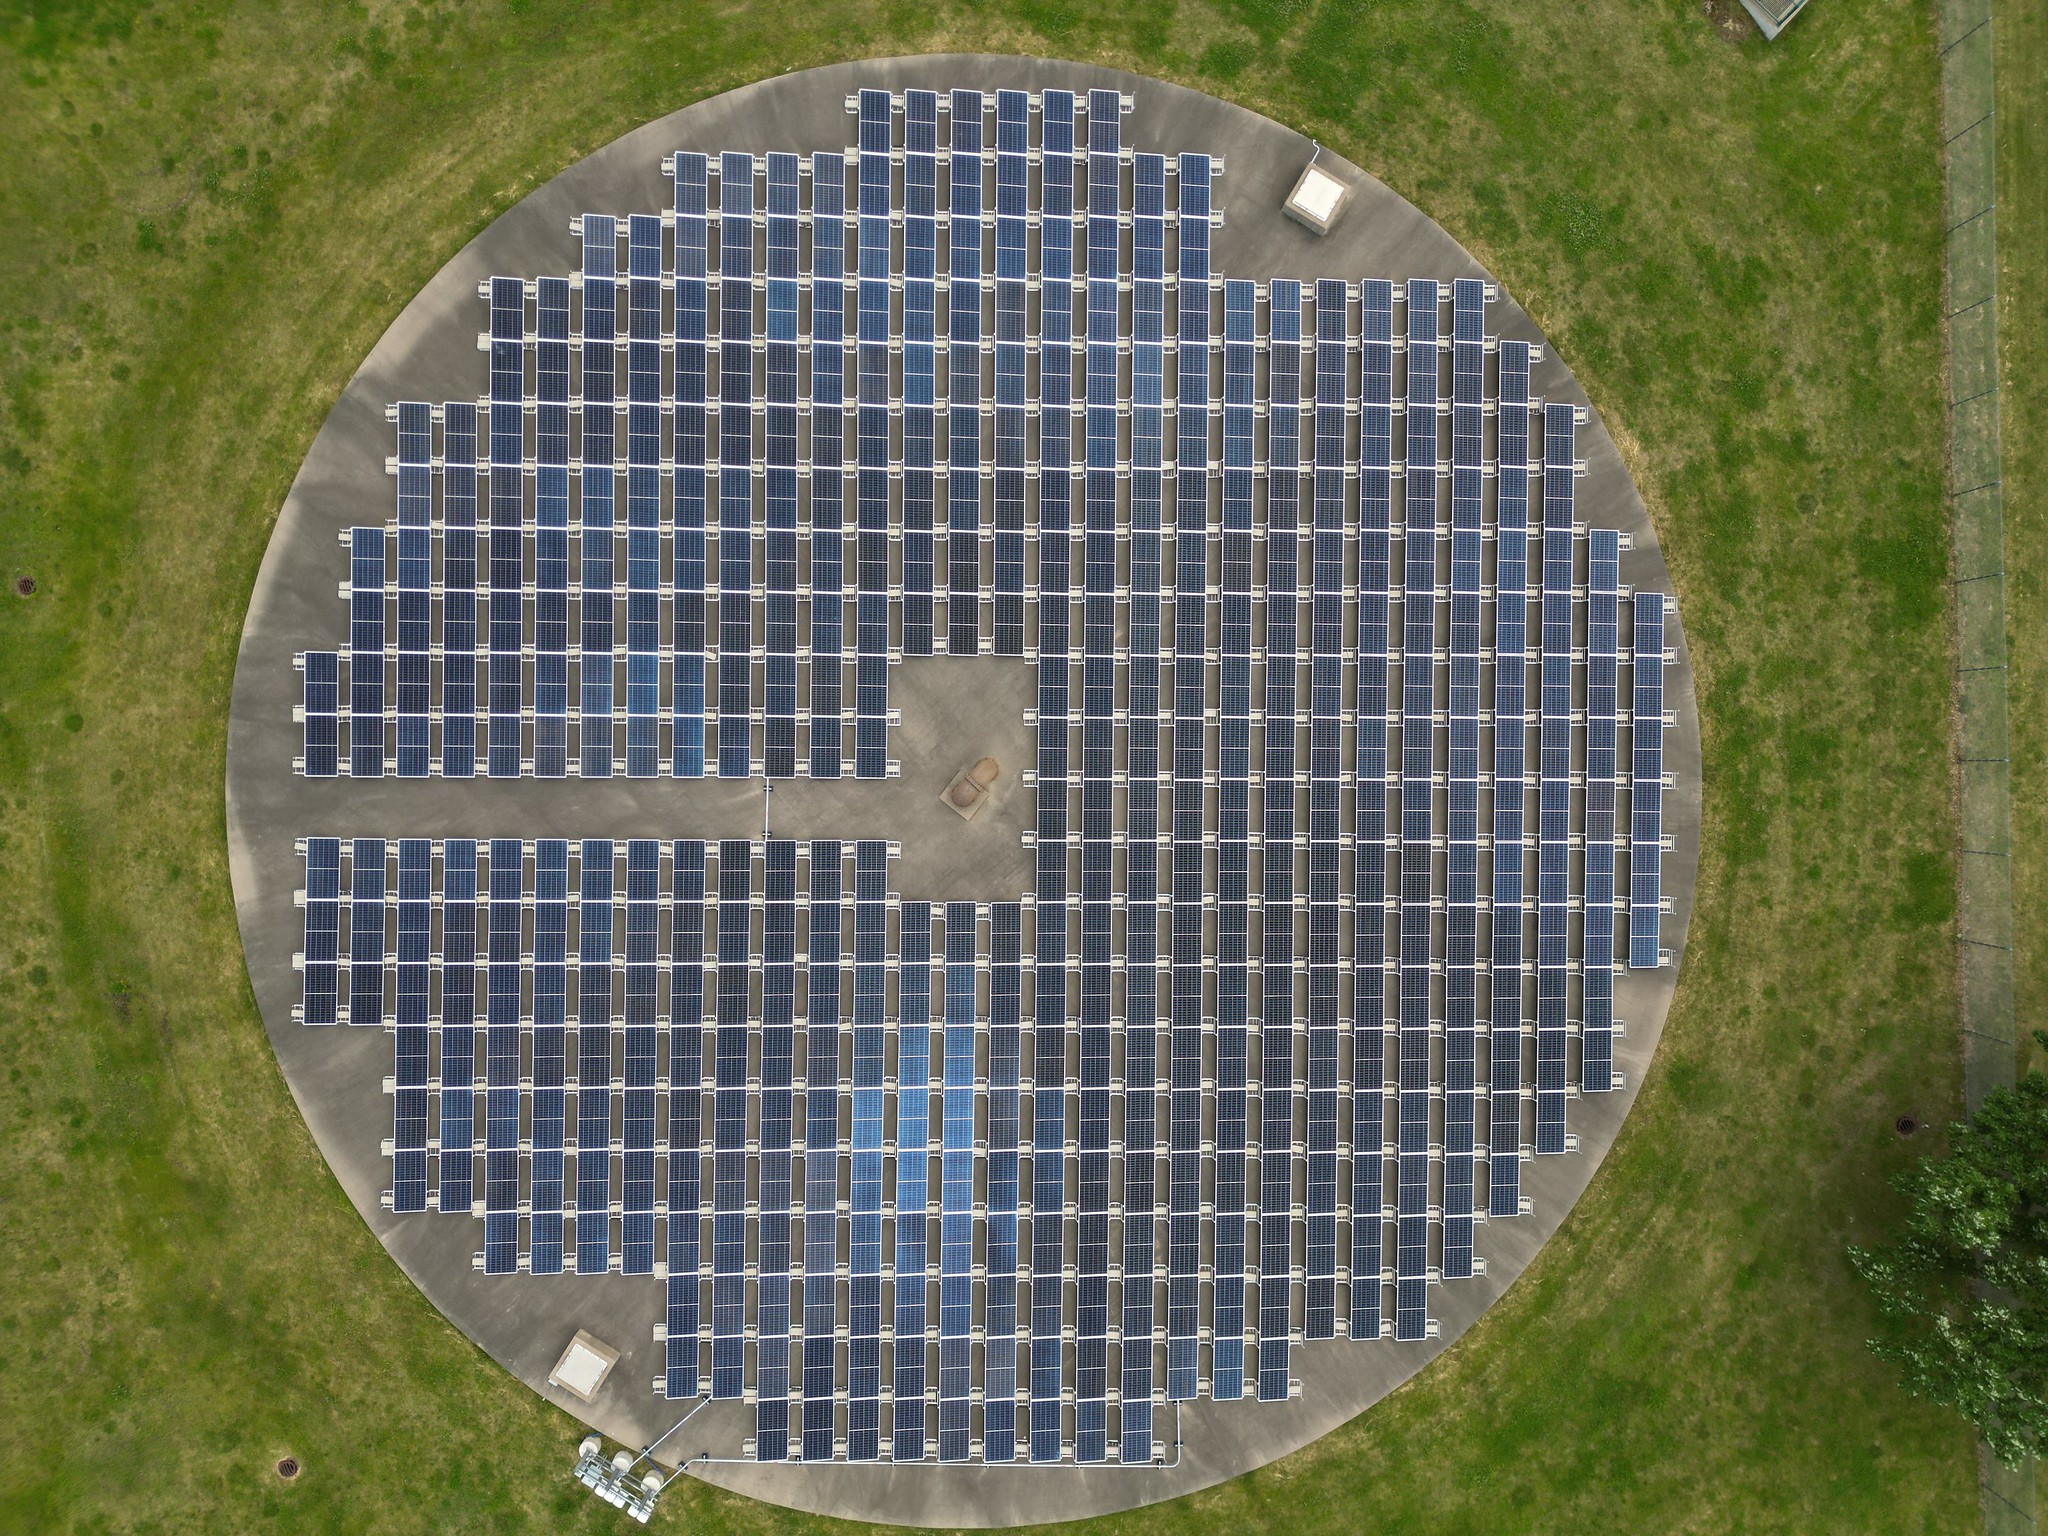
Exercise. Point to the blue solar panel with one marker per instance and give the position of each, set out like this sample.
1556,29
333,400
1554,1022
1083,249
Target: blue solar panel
920,328
410,1043
963,381
596,941
871,614
736,412
551,530
1190,776
1276,980
1011,281
1141,796
692,445
637,1100
779,610
1510,737
1049,1019
870,1054
777,1106
366,653
827,478
501,1055
1553,849
1646,784
730,1097
1333,405
319,965
913,1188
956,1182
1005,1036
1461,897
458,590
507,521
322,708
550,1044
413,694
1603,602
685,1120
596,727
1418,759
1369,938
458,1018
366,918
821,1163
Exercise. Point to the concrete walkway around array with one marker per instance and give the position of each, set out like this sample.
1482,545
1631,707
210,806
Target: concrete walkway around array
1977,532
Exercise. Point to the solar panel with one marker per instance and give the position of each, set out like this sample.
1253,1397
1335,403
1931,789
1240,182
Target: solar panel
1553,848
1418,762
637,1100
1596,970
506,475
776,1105
458,590
1013,177
1190,776
1005,1061
963,380
322,710
920,330
1141,798
366,919
1369,938
913,1176
827,477
596,941
692,446
871,614
551,530
956,1181
870,1055
1461,879
596,727
549,1132
736,413
1646,784
366,653
1333,405
779,436
414,694
1510,747
458,1019
1048,1032
319,962
685,1121
501,1054
730,1096
411,1035
821,1161
1277,1078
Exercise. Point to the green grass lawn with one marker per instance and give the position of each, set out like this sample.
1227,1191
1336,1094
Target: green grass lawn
212,212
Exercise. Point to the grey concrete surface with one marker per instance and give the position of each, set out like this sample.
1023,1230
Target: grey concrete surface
335,1075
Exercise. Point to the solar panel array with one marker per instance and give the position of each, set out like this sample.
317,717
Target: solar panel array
1281,1015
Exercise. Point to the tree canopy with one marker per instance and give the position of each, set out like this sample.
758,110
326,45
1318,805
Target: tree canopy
1963,1290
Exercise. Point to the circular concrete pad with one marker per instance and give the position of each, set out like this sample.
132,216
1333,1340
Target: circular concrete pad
430,353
